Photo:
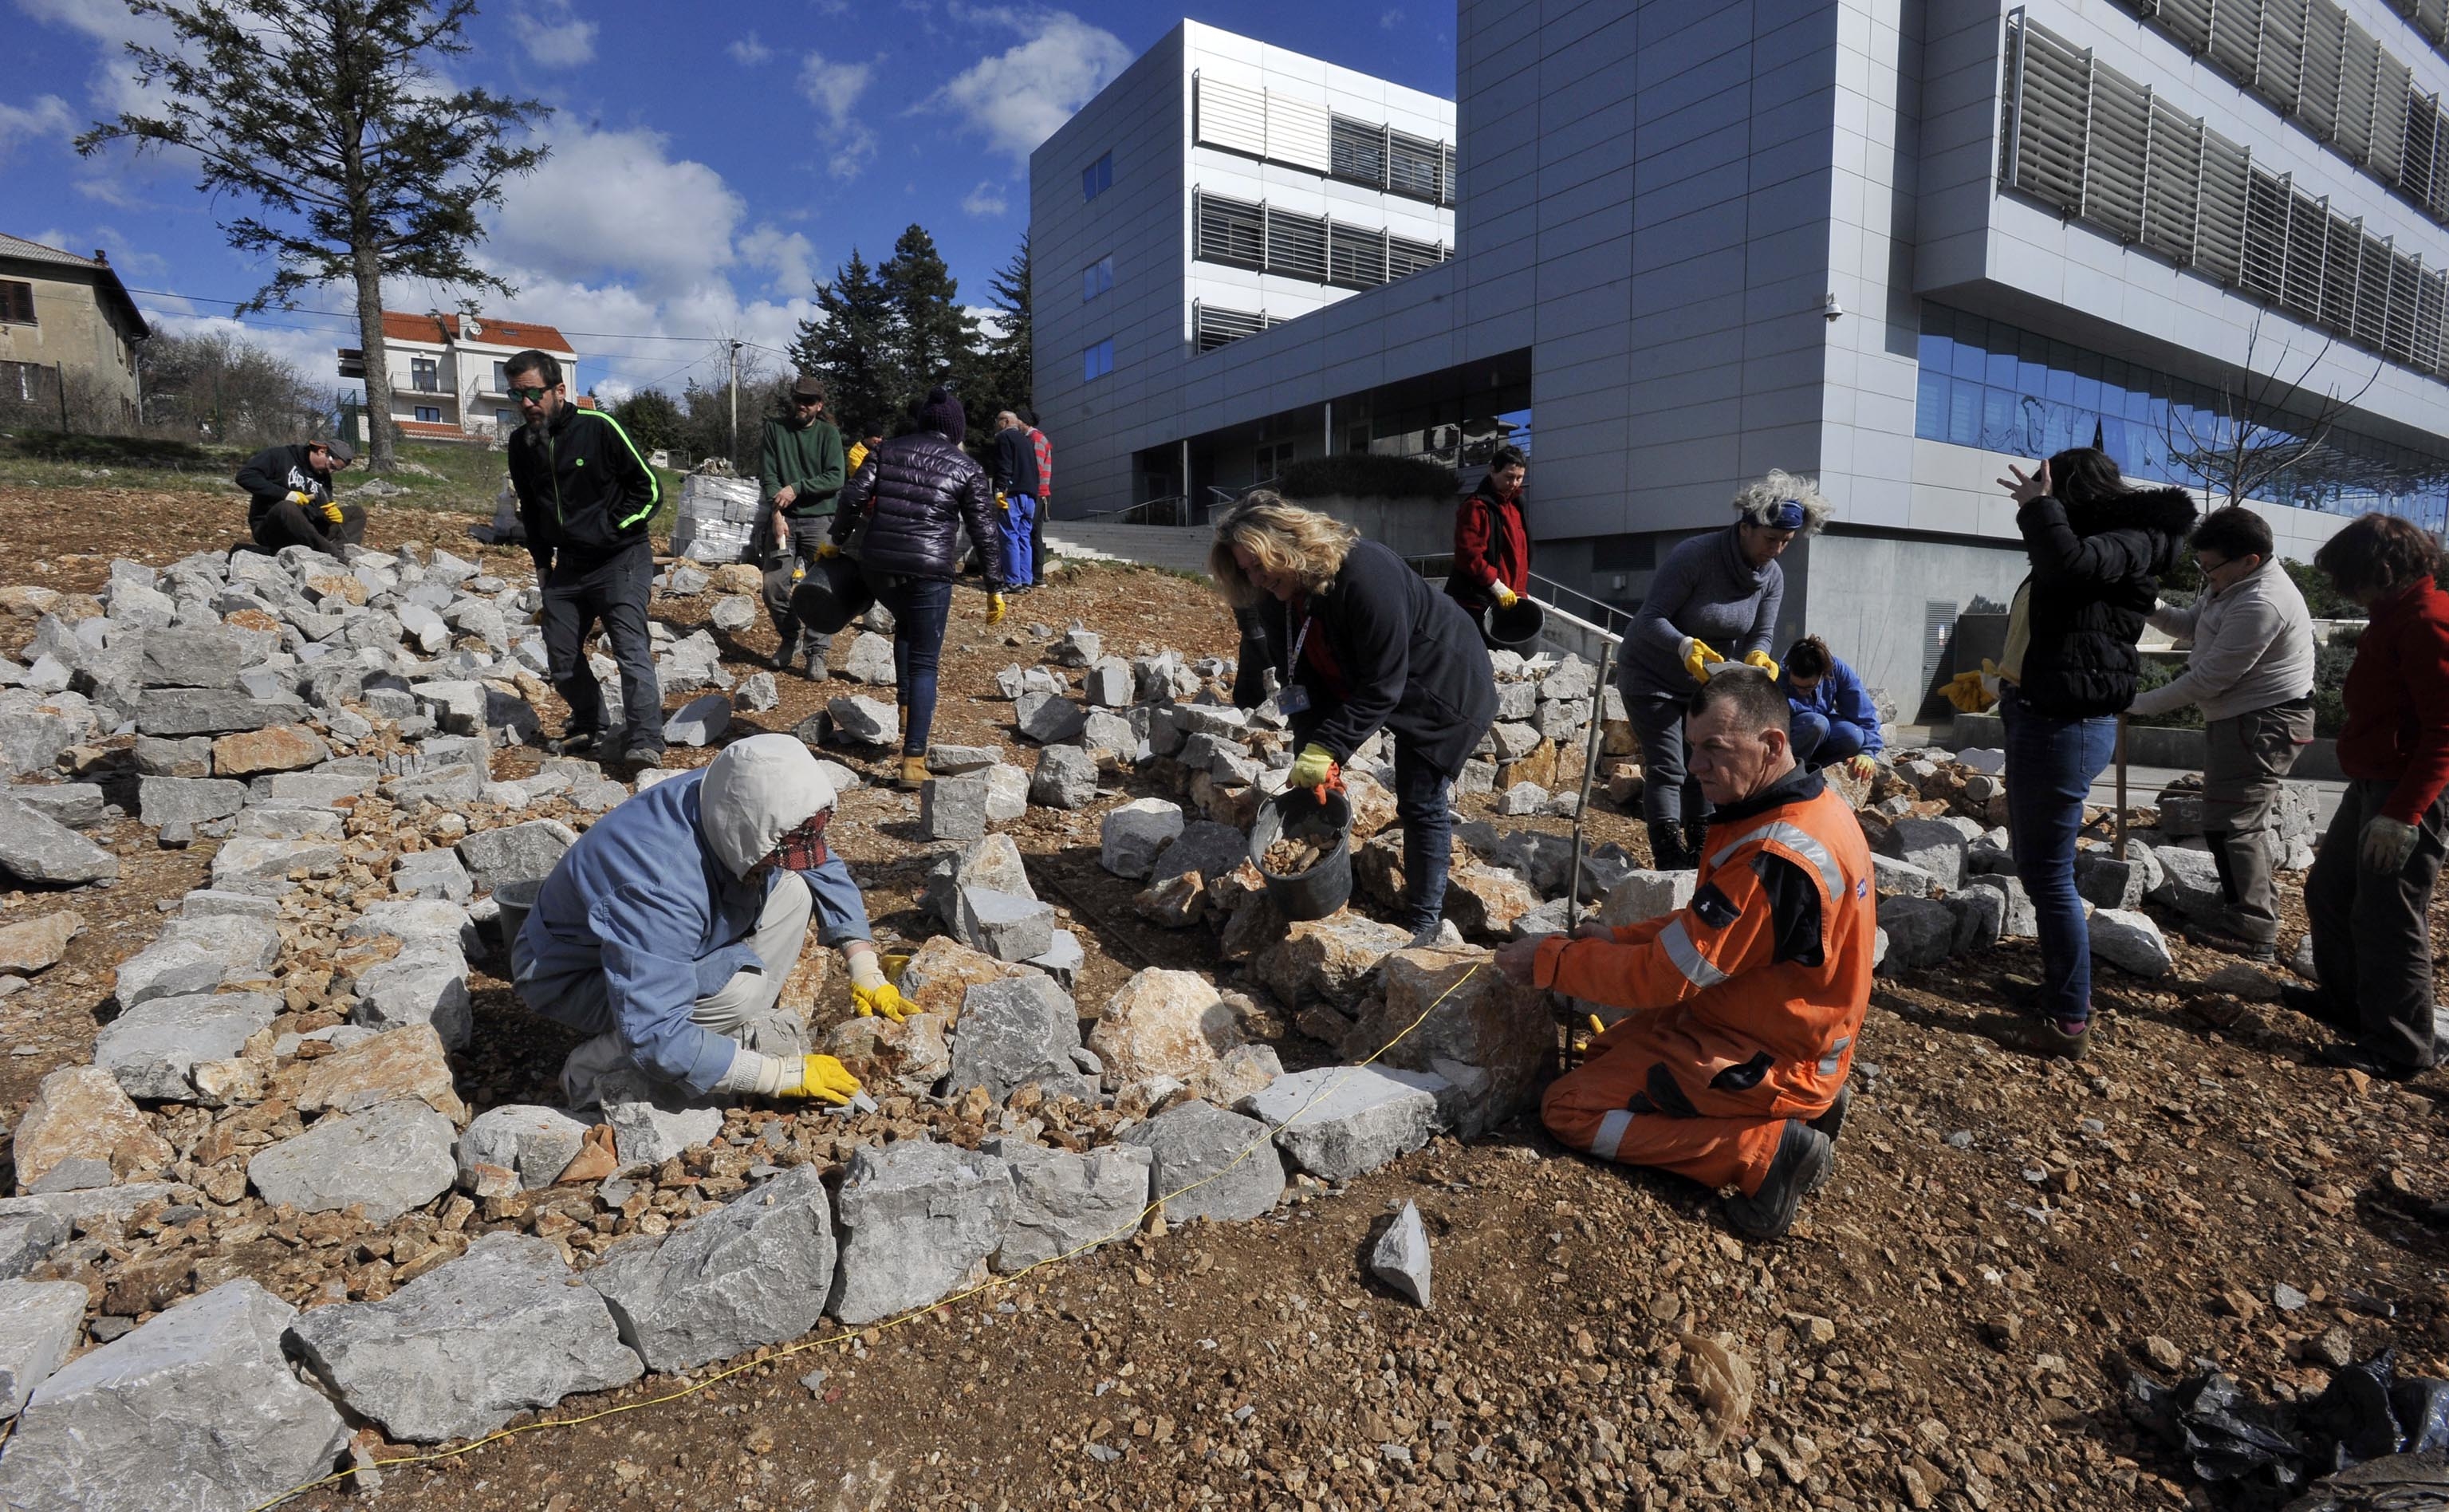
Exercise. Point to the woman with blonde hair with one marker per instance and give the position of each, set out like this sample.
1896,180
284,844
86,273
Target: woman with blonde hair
1361,642
1711,604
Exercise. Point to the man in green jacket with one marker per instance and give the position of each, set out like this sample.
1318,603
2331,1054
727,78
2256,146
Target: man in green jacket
800,467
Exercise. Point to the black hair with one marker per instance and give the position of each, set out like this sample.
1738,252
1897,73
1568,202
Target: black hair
1809,657
2377,553
2085,475
1505,456
543,365
2235,532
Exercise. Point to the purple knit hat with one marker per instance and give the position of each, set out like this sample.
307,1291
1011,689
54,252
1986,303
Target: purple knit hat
941,411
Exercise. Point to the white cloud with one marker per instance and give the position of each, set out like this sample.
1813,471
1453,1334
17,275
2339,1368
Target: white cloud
834,87
115,87
1390,20
787,254
749,52
987,199
612,201
1017,97
48,116
553,35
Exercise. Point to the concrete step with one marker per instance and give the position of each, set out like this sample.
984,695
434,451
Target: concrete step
1182,548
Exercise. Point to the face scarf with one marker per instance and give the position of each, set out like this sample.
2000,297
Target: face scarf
802,849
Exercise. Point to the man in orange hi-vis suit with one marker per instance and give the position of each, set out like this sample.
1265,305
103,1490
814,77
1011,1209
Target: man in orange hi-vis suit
1748,1003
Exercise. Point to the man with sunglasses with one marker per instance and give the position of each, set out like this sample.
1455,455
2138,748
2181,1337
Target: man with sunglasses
801,467
666,933
586,496
289,497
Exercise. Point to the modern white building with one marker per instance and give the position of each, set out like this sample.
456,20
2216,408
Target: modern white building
448,382
1894,244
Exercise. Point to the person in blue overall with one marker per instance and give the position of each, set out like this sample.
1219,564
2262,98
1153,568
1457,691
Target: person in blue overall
1833,718
667,931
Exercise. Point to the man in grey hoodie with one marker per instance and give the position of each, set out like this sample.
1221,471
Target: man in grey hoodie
2252,673
1712,603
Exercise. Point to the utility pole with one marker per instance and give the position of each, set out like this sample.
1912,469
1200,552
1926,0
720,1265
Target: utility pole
735,404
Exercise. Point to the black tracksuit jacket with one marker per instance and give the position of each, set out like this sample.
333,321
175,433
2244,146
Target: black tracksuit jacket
583,486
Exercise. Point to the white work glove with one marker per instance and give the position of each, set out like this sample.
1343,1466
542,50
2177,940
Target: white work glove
2386,845
819,1077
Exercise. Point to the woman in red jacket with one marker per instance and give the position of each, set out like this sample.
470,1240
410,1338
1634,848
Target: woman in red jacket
2369,895
1492,554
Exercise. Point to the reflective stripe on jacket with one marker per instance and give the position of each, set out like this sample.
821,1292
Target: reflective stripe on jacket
1744,1027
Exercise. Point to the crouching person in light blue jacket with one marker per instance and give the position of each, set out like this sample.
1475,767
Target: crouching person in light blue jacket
1832,716
667,931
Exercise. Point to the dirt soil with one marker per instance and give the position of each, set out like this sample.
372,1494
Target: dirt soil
1953,1323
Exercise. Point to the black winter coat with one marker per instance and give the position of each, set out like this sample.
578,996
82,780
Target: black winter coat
273,474
2095,574
912,496
1411,660
582,486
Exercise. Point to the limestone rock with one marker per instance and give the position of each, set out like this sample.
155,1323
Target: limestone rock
1016,1032
2129,939
1002,926
1007,792
534,1143
699,722
1486,900
1330,958
211,710
152,1050
993,862
36,944
870,660
463,1349
2189,884
523,852
81,1131
40,851
195,1409
273,748
189,800
1048,718
1066,778
40,1323
2019,920
391,1157
753,1273
1647,895
1193,1141
1935,845
431,874
865,720
400,1063
916,1218
952,807
1064,1202
1922,931
652,1122
1337,1122
1204,846
1400,1258
942,972
913,1055
426,983
248,863
1164,1023
1133,834
27,1237
1239,1073
1489,1040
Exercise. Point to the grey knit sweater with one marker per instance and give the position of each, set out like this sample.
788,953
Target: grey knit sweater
1704,589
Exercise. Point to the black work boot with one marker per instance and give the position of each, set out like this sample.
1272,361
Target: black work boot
1667,851
1832,1122
2212,937
1805,1158
1696,839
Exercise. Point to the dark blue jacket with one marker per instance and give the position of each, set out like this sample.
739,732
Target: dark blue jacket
1839,696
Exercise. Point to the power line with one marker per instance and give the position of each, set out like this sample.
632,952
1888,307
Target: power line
349,322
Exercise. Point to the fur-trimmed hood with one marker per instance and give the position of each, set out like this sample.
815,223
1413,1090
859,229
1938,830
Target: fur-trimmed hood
2167,512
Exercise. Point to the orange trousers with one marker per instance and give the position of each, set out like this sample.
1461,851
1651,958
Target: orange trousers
1605,1107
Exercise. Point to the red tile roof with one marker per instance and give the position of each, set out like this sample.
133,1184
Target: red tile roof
429,429
443,329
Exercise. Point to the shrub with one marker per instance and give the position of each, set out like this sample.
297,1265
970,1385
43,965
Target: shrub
1365,475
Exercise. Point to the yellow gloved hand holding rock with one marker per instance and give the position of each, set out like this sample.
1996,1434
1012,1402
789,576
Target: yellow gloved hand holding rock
332,512
995,608
1861,766
870,993
821,1078
301,500
1506,598
1765,662
1313,768
1697,657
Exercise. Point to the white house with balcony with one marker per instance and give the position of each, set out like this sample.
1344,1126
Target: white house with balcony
449,378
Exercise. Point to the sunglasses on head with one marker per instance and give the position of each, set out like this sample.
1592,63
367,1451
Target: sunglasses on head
531,396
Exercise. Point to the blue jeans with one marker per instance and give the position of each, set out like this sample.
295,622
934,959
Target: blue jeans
1427,817
1019,540
1819,740
919,606
2051,763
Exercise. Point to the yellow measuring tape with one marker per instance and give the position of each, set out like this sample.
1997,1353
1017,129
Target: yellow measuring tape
847,1336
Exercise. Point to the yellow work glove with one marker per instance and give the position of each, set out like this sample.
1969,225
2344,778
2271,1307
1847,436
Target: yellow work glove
1861,766
821,1078
1765,662
332,512
1506,598
1313,767
995,607
827,550
870,993
1697,657
1001,502
1972,693
301,500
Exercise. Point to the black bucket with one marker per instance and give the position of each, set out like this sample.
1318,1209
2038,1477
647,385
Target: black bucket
832,594
1516,629
1327,885
516,900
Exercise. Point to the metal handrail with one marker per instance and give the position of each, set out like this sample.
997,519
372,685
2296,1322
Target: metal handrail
1551,592
1169,510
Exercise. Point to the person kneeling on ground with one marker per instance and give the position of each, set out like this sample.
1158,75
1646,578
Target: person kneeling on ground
1748,1004
289,497
667,931
1832,715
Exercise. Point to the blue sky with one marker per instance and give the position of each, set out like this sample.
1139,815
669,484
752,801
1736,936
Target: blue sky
708,160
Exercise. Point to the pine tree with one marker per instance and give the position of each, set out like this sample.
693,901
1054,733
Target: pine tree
328,114
849,344
1007,371
934,339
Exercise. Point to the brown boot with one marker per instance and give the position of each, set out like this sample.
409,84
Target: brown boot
913,773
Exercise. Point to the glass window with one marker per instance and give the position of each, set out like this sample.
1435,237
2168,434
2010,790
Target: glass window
430,414
1097,278
1099,360
1963,411
1097,177
1930,401
1936,352
501,377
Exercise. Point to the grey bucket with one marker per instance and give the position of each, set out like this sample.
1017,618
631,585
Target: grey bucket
515,899
1516,629
1327,885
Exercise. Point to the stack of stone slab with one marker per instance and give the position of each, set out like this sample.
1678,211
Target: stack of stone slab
716,518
